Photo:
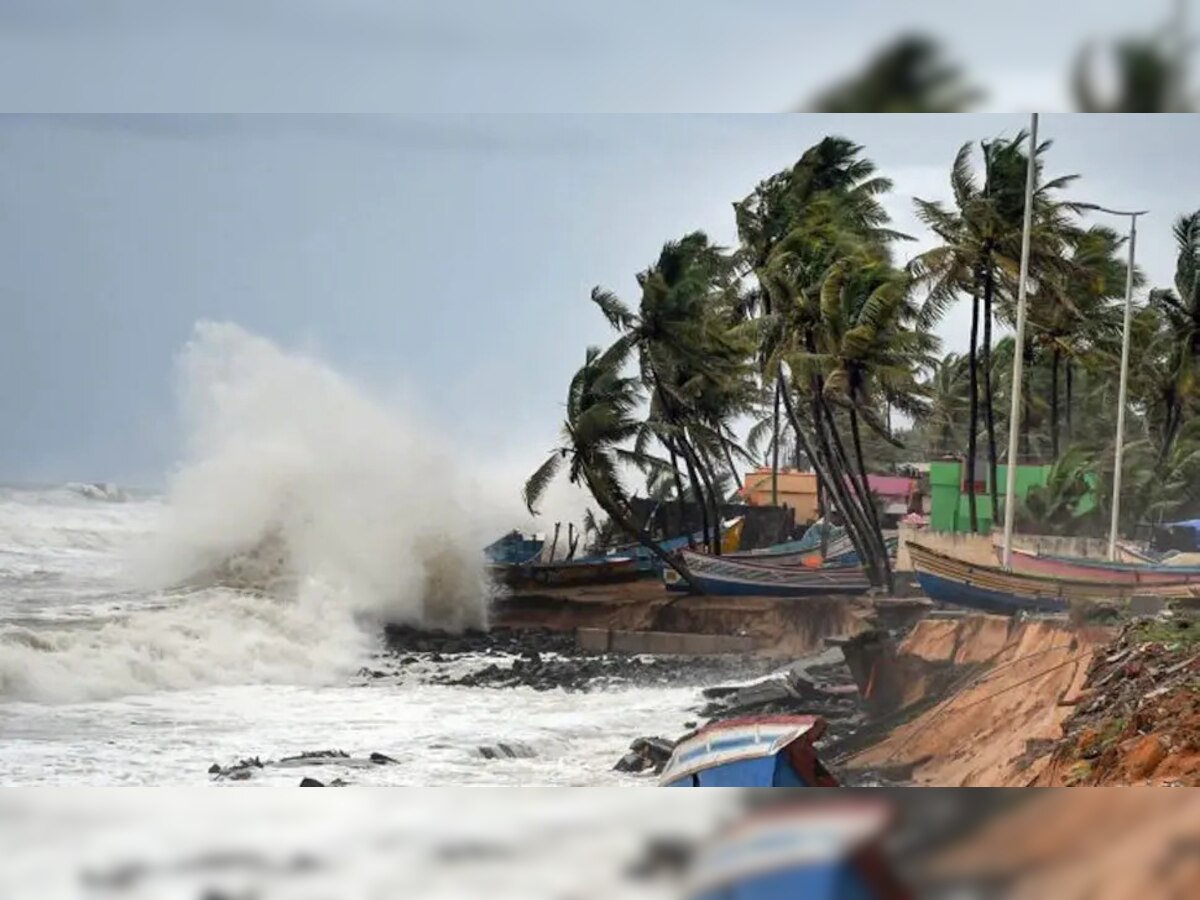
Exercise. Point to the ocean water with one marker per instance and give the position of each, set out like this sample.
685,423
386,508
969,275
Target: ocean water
107,682
144,637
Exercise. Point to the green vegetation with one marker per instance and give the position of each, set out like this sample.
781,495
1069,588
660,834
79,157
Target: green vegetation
814,333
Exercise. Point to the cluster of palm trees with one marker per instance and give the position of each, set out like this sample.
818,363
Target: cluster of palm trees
812,339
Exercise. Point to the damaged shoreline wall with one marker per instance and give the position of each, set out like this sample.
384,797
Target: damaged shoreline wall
988,696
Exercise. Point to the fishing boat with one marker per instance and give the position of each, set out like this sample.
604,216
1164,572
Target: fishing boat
574,573
514,548
840,552
824,848
947,579
753,751
1101,570
725,576
648,563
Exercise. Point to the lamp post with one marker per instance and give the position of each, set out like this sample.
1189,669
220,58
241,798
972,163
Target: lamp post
1014,419
1124,383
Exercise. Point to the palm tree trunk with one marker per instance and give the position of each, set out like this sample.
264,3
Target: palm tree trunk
840,484
708,476
833,481
732,468
686,452
973,416
1026,405
554,545
988,406
775,452
1070,399
822,517
866,487
1054,361
679,497
625,522
860,492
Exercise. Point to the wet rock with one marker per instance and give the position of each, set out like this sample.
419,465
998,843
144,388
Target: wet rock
238,775
631,763
309,755
310,782
507,750
381,759
214,769
646,753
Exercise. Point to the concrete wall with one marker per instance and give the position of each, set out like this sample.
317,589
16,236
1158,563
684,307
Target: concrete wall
980,548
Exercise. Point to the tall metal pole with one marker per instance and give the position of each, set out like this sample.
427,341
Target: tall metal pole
1120,451
1014,419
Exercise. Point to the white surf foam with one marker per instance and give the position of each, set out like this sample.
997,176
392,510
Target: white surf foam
367,508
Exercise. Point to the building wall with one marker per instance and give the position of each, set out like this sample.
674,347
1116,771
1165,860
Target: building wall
796,489
951,506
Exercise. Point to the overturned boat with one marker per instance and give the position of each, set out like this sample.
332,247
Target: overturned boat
822,850
754,751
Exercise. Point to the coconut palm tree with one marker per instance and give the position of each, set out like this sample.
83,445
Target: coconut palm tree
801,230
1179,312
601,419
979,256
694,352
909,75
1081,317
948,408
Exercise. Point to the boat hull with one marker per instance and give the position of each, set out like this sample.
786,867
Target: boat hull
992,589
956,593
719,576
1096,570
571,574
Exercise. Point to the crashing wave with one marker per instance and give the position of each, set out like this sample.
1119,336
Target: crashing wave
97,491
303,519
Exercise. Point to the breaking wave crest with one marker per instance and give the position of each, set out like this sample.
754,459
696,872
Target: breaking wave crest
303,517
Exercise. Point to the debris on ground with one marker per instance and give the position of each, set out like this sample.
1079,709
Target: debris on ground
509,750
646,754
1137,719
244,769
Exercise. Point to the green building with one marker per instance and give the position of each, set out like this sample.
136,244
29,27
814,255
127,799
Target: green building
949,504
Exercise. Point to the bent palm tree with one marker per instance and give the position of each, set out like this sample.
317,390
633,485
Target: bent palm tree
600,418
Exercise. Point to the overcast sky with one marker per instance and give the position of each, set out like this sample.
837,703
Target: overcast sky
524,55
443,259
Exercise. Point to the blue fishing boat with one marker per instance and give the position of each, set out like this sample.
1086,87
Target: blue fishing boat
825,849
728,576
947,579
754,751
514,548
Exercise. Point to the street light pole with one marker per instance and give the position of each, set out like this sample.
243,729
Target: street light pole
1014,419
1123,390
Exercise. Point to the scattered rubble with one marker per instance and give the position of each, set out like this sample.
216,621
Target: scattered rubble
646,754
1137,719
